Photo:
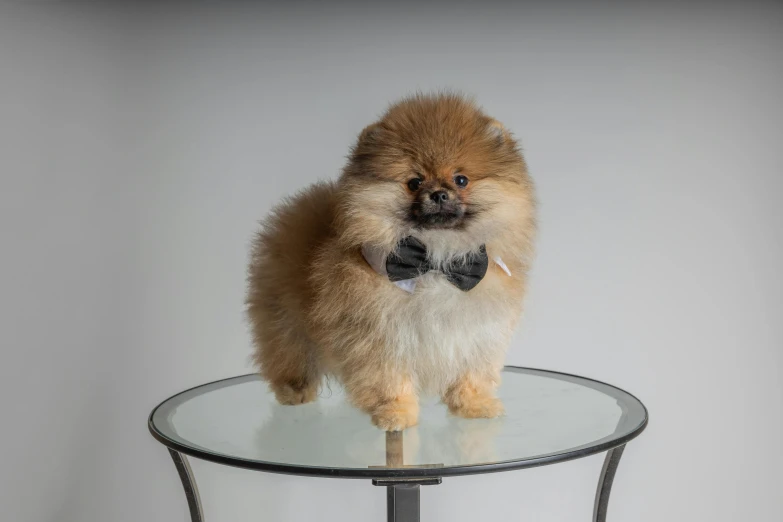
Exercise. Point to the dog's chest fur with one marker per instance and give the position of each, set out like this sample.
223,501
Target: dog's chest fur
440,332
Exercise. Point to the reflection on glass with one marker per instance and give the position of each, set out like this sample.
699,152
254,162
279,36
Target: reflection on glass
545,415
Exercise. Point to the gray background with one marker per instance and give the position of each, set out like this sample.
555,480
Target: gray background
139,145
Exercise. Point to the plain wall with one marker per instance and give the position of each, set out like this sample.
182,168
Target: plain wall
140,145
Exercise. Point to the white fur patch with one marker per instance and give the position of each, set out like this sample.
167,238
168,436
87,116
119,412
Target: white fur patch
439,331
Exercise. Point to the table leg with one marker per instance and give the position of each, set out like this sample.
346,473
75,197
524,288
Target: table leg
189,483
402,503
605,483
402,497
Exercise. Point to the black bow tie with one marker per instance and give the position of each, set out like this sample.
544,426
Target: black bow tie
410,261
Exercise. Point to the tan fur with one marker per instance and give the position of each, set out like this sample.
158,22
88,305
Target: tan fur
317,308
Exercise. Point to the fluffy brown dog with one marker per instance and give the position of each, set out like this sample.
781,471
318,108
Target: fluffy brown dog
324,296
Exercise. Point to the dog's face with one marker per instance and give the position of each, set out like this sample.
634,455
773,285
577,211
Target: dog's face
438,197
434,166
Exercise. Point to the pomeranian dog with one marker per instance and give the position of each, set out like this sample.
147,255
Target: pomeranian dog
404,277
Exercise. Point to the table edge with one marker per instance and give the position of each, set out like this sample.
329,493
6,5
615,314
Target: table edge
359,473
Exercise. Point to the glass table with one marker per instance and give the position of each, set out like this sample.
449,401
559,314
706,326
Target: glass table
550,417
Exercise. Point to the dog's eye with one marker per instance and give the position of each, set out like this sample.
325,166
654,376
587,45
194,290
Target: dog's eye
461,180
414,184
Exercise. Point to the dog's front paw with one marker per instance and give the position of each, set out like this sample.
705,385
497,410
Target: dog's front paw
397,414
290,395
478,407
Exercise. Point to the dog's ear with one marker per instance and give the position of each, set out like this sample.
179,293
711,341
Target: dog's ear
370,133
498,131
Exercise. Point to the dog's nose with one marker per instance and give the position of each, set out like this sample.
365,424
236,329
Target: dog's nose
439,196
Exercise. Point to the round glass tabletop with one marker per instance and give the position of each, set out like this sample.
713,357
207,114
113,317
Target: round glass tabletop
550,417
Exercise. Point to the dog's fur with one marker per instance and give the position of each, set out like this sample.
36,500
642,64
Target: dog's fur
317,308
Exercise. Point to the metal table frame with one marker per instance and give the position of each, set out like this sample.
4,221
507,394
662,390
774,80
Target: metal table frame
403,485
402,495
